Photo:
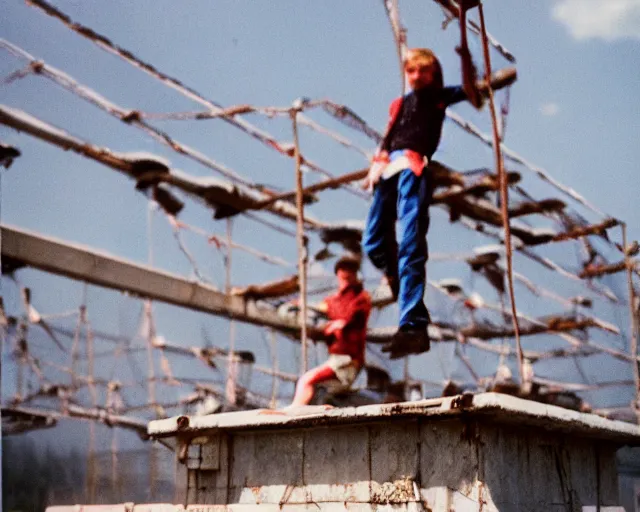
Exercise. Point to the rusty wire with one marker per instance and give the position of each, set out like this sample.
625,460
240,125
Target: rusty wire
232,116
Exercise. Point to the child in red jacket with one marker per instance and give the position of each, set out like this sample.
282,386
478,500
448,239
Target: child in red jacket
348,311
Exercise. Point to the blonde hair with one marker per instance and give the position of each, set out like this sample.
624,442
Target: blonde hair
427,57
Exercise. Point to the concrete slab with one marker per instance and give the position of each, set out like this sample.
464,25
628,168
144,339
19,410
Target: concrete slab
485,452
337,464
502,409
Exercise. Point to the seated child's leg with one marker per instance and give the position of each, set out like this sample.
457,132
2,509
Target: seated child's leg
305,386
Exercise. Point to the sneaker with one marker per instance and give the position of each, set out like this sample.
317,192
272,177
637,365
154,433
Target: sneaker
408,341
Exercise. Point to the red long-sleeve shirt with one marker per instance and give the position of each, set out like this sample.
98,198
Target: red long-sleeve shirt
353,305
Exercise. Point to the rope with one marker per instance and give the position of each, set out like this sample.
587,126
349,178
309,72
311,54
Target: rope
399,35
343,114
504,191
515,157
218,242
128,56
633,349
267,111
451,10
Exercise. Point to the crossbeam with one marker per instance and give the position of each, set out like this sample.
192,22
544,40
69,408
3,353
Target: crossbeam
149,170
603,270
85,264
24,248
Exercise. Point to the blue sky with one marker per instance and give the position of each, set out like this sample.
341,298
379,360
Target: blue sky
573,112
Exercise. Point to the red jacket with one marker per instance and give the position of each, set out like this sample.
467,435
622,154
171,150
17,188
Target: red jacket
353,305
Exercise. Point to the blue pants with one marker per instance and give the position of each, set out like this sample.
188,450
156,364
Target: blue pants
407,197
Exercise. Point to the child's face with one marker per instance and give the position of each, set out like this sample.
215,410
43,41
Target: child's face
346,278
419,74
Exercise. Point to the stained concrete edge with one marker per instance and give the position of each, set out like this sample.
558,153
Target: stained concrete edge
501,408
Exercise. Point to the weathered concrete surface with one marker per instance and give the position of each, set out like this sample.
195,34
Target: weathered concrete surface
502,408
322,507
394,461
483,453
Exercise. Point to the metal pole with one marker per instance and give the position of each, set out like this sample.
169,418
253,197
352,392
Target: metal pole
399,35
114,465
302,241
634,327
227,263
274,360
504,191
230,385
232,366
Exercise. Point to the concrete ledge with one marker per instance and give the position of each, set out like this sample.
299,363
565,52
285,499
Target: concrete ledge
503,409
328,507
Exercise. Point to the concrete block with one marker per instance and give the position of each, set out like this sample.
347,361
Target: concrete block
252,508
402,490
223,470
192,495
212,483
528,471
158,507
437,499
460,463
210,454
206,480
366,507
562,475
213,496
267,458
394,461
193,451
207,508
278,494
538,464
231,508
500,449
181,482
443,499
606,456
397,507
336,464
462,503
447,459
192,463
192,486
316,507
584,470
121,507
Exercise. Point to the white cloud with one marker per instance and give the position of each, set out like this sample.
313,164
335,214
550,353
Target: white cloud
604,19
549,109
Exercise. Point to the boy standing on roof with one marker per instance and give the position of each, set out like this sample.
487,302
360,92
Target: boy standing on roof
403,187
348,311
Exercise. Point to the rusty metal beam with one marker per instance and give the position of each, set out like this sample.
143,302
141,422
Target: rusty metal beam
149,170
74,411
603,270
594,229
323,185
84,264
442,175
